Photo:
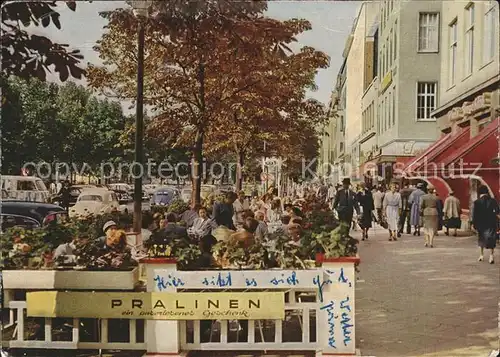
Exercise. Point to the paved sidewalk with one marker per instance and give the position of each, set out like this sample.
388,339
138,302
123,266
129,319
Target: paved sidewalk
417,301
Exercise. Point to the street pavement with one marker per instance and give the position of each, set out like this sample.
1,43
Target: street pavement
432,302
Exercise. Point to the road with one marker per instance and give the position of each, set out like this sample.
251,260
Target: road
432,302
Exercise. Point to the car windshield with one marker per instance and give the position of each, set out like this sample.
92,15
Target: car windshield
91,198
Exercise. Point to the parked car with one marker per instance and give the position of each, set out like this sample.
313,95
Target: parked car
163,196
122,187
186,194
207,190
96,201
39,211
149,189
123,196
14,220
75,191
25,188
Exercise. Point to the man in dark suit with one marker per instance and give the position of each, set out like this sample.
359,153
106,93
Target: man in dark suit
223,211
405,211
345,203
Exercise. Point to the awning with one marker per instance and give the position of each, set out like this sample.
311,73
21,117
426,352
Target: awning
480,149
420,157
446,146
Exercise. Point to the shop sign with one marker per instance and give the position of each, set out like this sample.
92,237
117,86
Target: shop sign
158,306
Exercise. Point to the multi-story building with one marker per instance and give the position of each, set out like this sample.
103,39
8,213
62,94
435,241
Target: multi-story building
408,71
468,103
369,103
327,140
336,131
354,53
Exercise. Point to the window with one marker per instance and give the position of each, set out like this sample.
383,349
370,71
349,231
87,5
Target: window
384,113
26,185
394,106
388,58
387,111
426,99
428,32
469,39
395,41
453,52
390,50
489,42
96,198
383,60
379,129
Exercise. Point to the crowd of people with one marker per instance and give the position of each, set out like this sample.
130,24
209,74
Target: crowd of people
403,207
400,209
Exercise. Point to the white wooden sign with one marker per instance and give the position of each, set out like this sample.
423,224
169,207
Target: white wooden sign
336,311
236,279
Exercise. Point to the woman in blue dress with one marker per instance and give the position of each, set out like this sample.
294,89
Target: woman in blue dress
414,201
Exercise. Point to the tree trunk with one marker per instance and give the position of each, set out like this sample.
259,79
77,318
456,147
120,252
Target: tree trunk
239,170
197,161
197,169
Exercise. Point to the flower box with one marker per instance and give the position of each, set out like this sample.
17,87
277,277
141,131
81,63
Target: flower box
70,279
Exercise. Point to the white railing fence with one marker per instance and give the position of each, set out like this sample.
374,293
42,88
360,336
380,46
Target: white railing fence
296,332
319,314
59,333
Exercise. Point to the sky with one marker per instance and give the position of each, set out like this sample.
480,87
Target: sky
331,24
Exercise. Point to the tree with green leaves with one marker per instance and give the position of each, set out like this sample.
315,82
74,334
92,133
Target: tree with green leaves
28,55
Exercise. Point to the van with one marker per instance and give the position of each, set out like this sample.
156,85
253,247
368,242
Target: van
25,188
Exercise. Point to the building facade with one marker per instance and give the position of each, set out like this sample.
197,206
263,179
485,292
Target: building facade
468,105
409,73
357,71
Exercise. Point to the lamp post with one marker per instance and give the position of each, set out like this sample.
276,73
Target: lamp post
141,12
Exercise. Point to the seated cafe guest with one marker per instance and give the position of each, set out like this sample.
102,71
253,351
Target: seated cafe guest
261,230
202,225
295,232
190,215
114,239
246,236
207,260
65,253
172,228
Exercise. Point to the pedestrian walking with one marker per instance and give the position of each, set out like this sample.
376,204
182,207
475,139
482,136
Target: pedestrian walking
414,201
65,194
391,207
365,200
405,209
345,203
430,217
378,199
485,217
452,213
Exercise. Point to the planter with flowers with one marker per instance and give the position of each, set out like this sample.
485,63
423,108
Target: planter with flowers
28,262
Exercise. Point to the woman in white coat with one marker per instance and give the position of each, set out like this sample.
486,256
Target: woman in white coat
392,205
